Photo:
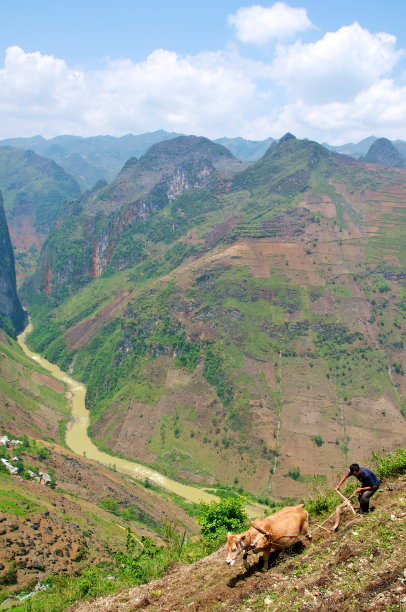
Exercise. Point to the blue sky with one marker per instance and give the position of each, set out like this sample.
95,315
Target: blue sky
331,71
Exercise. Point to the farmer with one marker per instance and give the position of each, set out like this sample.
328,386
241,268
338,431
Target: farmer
369,481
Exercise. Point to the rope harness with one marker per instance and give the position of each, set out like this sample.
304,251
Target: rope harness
268,535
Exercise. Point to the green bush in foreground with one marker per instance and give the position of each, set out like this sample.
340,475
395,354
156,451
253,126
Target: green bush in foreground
226,515
216,518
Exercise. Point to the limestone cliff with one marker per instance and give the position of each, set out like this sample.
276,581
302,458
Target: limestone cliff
10,306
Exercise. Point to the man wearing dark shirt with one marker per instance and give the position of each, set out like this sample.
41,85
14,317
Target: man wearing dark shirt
369,481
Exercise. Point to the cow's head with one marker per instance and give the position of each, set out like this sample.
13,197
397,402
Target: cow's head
235,545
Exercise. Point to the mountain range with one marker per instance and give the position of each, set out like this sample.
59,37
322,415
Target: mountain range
102,157
33,188
234,322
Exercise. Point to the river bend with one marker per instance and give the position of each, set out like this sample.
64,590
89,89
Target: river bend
78,439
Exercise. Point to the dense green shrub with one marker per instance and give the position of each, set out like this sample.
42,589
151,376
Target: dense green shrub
222,516
294,473
323,502
9,576
318,439
110,505
214,372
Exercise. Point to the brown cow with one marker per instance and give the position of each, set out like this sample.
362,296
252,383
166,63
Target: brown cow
272,533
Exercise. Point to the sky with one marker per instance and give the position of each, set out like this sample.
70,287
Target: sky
331,71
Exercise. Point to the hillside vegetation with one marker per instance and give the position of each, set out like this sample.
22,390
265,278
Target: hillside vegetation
33,189
80,521
360,566
31,401
83,514
247,330
81,517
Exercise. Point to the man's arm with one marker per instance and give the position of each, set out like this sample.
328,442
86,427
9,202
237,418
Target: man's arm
343,479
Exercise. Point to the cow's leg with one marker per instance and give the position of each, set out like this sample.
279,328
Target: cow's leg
267,553
244,560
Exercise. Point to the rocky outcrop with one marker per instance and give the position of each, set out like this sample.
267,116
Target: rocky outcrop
92,233
10,305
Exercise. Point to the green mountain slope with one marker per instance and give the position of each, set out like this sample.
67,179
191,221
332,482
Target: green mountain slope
384,152
249,150
31,402
81,519
33,185
33,190
91,159
100,231
255,333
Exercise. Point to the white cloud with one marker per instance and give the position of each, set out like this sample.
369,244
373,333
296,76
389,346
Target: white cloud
378,110
336,67
258,25
39,93
192,94
337,89
205,93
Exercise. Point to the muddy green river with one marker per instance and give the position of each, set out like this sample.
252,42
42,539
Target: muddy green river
78,440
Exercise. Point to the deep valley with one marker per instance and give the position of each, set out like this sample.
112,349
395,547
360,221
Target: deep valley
239,325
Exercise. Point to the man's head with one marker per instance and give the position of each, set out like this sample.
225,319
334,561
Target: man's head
354,468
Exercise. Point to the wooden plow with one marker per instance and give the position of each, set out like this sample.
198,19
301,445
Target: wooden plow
337,512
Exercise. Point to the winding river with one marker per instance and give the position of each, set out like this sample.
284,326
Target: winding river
78,440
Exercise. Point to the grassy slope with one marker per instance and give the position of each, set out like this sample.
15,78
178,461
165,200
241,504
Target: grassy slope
280,348
360,567
98,502
31,402
90,502
28,179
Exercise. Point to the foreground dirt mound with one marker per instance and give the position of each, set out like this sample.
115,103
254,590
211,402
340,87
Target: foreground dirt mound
361,566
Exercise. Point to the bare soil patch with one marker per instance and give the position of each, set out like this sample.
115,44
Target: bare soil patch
48,381
83,332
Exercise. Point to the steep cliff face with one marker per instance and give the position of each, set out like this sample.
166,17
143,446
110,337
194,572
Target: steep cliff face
10,306
96,231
